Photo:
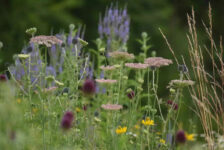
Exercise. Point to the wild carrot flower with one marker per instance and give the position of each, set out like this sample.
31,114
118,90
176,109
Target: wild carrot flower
46,40
67,120
50,89
111,106
23,56
121,130
121,55
106,81
31,31
180,83
136,65
148,122
107,68
89,87
157,61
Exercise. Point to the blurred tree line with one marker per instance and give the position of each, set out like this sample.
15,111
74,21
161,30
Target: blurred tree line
52,16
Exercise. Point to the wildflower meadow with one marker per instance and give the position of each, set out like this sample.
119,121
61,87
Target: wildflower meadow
63,93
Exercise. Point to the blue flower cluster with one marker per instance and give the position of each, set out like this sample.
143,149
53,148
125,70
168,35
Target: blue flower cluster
114,27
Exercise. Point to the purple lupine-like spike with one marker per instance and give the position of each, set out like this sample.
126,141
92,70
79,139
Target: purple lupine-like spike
90,74
104,90
53,52
101,75
69,40
97,88
50,71
114,26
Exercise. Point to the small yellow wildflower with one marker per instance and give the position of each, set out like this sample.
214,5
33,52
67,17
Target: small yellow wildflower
121,130
148,122
158,133
190,137
77,109
19,100
34,110
162,141
137,126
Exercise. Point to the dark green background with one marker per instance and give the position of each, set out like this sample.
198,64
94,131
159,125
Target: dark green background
146,15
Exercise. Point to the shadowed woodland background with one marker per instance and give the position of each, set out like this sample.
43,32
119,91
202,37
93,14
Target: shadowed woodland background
51,16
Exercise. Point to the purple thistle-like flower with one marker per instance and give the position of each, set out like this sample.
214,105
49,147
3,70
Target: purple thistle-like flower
89,87
3,77
180,137
67,120
84,107
174,105
131,95
114,26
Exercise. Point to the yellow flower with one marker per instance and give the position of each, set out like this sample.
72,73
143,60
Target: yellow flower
77,109
34,110
121,130
148,122
19,100
137,126
162,141
190,137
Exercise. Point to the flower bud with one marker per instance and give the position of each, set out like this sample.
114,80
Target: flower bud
31,31
140,81
71,27
1,44
153,54
144,35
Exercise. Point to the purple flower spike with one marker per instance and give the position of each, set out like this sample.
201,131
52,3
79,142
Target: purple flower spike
114,26
67,120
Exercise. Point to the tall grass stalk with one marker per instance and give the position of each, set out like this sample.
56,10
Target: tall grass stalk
208,92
